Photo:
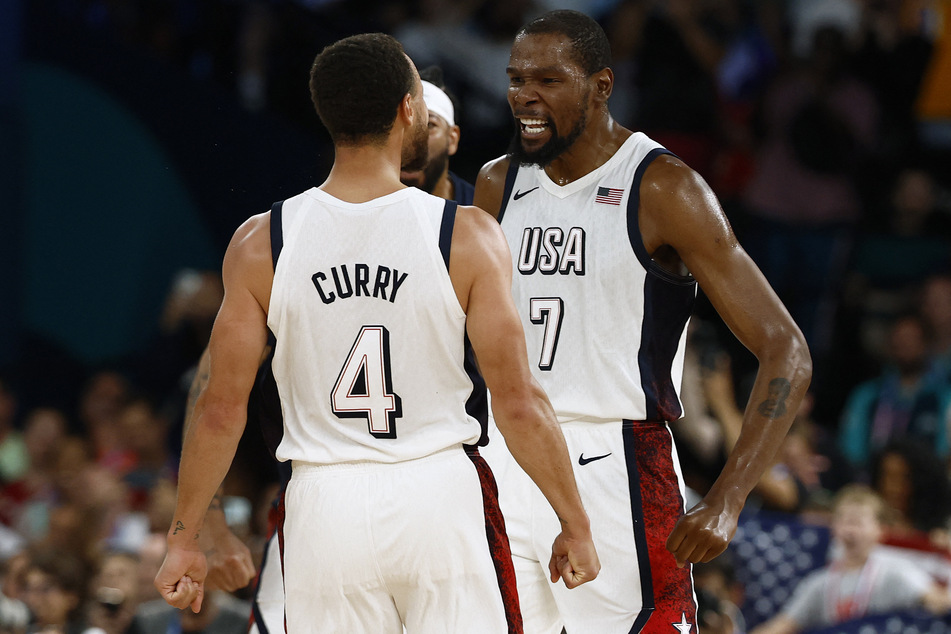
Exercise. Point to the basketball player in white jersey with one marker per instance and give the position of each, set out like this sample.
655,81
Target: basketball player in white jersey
369,288
230,565
611,235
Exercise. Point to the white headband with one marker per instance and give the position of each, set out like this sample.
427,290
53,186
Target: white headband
438,102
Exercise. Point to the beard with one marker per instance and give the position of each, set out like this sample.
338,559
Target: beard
416,152
433,170
552,149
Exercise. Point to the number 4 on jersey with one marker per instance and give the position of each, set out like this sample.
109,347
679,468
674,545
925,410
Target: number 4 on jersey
364,388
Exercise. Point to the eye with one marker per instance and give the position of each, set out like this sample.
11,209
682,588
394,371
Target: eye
515,81
551,80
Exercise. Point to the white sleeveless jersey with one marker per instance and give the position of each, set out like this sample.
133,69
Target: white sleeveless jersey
368,359
605,325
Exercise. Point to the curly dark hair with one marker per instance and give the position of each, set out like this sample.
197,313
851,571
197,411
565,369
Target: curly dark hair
588,40
357,84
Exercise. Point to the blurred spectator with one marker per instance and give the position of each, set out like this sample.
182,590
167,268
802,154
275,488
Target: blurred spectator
859,581
55,591
674,49
100,403
892,257
716,579
13,458
44,428
14,614
819,126
913,483
806,17
935,311
114,592
144,434
151,555
471,41
906,399
894,46
184,327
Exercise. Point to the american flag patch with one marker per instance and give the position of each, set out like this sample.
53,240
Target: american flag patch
609,196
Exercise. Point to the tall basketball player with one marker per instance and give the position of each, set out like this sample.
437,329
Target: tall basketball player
611,235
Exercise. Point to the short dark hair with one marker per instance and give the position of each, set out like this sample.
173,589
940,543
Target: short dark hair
357,84
588,40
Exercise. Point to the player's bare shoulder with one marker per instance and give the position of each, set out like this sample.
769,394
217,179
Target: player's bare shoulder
476,231
490,185
248,258
677,205
252,240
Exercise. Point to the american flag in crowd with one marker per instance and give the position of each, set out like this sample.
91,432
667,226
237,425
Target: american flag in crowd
609,196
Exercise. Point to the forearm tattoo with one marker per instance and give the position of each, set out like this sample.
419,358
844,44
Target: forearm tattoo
775,404
178,527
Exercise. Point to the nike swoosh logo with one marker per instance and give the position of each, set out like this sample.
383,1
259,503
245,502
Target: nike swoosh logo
524,193
583,461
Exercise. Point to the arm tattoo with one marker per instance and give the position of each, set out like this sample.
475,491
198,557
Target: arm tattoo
775,404
178,527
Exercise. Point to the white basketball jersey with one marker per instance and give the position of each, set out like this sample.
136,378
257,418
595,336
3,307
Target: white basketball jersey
605,325
369,354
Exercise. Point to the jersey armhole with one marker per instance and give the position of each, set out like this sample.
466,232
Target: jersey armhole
277,231
445,229
509,184
634,227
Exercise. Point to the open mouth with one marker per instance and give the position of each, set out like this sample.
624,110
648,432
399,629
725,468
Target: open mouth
532,127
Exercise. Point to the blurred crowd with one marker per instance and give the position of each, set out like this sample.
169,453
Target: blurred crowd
821,124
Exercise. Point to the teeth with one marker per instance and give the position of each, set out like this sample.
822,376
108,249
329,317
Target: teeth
534,126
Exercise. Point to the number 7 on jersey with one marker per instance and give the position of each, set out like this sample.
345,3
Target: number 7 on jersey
547,311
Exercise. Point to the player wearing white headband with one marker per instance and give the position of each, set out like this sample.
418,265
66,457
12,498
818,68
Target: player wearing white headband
436,178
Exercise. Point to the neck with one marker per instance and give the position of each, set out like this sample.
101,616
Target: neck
853,561
444,187
364,172
600,140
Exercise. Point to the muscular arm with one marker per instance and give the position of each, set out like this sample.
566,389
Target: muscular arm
481,271
681,220
230,565
237,343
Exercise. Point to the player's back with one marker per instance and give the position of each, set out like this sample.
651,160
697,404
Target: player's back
370,334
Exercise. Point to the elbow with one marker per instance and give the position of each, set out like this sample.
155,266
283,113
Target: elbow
802,360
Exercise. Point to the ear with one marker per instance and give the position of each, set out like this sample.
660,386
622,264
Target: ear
454,133
604,84
405,112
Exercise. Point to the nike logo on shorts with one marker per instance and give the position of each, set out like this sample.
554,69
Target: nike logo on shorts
524,193
583,461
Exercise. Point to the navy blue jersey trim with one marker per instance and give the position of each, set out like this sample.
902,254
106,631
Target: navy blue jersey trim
667,308
640,532
277,231
445,229
477,405
265,403
633,207
509,184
